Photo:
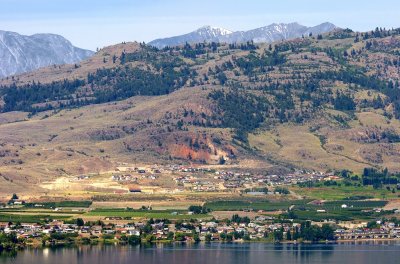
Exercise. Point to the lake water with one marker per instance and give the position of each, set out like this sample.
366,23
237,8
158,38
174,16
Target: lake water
219,253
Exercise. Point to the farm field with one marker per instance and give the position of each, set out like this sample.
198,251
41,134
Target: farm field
221,209
253,205
354,204
28,218
156,214
343,192
156,205
73,204
339,210
337,215
41,211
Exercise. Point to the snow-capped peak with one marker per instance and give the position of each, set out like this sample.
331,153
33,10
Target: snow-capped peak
271,33
214,31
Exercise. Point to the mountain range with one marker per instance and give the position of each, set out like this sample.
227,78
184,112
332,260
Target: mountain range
19,53
271,33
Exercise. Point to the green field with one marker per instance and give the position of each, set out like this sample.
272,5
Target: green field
354,204
343,192
41,211
73,204
356,210
253,205
337,205
156,214
30,218
304,210
341,215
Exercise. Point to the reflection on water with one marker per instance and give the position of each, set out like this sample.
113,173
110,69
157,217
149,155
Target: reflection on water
8,254
388,252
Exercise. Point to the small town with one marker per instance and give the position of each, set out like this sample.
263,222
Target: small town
237,229
205,179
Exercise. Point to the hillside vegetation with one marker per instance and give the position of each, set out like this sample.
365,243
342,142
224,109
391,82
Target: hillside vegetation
326,102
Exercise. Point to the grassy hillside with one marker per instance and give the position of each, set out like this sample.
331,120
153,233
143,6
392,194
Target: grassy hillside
326,102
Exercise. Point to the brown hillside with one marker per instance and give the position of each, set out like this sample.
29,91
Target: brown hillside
186,125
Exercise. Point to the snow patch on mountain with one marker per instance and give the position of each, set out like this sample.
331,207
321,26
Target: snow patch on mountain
203,34
271,33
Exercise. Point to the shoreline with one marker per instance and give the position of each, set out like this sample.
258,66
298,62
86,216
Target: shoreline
39,246
369,240
116,242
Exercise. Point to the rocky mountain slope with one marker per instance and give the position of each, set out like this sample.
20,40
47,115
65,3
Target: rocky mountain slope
20,53
203,34
271,33
327,102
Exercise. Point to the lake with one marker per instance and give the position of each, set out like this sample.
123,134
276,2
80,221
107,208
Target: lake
221,253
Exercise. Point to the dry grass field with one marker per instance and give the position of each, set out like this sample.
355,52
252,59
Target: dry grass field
331,148
64,144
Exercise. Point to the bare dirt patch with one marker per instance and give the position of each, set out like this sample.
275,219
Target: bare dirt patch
392,205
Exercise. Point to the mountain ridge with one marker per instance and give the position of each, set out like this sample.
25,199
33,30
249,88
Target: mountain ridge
21,53
270,33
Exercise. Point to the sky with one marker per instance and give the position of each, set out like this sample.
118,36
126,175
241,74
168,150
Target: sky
95,23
